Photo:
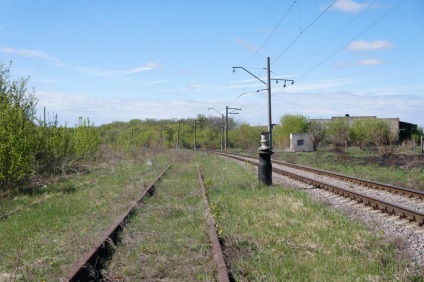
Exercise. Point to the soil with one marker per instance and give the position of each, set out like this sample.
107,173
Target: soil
401,161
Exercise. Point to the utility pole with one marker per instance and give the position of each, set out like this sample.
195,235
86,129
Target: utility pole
226,122
223,127
178,136
195,122
265,166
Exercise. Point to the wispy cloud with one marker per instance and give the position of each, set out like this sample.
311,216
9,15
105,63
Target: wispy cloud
365,62
29,53
250,47
349,6
84,70
362,45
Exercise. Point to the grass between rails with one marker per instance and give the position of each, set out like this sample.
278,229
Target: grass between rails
264,234
47,231
280,234
167,238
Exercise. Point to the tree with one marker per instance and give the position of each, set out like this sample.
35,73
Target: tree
381,135
317,131
289,124
17,129
338,131
246,136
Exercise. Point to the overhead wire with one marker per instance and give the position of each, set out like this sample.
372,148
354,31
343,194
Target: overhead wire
269,36
301,33
395,7
332,38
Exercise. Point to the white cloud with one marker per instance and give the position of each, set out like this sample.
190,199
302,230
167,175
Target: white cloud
320,104
362,45
29,53
349,6
85,70
365,62
370,62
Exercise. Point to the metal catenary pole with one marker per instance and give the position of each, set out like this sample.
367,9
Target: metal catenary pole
226,122
265,166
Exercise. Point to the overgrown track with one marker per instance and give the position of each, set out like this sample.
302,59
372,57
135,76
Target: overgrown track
222,273
384,206
85,268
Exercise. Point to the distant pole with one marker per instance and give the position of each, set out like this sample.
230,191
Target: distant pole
195,122
269,103
422,146
226,123
161,135
223,127
178,136
226,127
194,135
223,131
44,117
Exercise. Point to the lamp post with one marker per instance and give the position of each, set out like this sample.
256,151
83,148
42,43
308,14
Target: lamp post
226,122
222,127
265,151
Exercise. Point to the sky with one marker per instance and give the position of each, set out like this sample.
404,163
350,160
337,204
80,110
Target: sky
110,60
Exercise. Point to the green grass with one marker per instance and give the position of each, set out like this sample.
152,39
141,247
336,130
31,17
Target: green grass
167,238
268,233
51,229
280,234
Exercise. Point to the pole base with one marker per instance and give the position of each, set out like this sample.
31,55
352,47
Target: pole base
265,168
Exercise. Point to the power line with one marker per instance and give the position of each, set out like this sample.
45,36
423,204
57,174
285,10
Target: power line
300,34
269,36
395,7
337,34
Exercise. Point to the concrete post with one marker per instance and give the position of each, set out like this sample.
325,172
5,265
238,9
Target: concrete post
265,165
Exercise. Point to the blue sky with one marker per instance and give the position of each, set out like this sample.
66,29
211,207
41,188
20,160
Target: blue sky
121,60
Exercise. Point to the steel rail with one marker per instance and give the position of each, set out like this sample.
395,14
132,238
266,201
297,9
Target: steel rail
81,270
375,185
218,257
367,183
401,211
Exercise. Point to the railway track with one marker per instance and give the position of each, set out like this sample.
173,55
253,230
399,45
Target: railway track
409,209
88,267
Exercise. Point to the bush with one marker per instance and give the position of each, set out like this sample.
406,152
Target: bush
17,109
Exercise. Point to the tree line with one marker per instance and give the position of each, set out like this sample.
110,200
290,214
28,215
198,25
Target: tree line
32,148
363,132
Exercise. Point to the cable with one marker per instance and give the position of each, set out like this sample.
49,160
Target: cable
395,7
300,17
337,34
269,36
304,31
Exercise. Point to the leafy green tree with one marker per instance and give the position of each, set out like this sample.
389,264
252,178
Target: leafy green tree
289,124
338,131
246,136
17,115
86,141
379,133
